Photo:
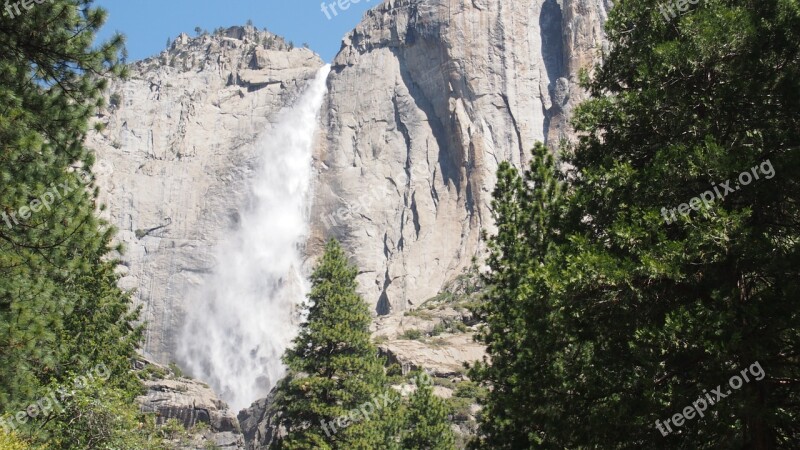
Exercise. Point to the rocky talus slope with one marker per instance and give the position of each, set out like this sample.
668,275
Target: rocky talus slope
189,412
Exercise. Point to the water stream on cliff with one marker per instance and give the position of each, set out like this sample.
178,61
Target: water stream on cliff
244,316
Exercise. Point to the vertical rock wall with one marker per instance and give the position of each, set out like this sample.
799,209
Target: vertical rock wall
426,98
175,159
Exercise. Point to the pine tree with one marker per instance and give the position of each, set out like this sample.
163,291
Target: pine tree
61,312
425,420
672,306
655,308
522,338
334,368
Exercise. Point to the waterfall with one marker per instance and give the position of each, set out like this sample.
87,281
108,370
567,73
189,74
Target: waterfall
243,318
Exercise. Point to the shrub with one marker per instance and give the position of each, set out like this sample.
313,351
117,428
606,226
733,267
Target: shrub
115,100
13,442
411,334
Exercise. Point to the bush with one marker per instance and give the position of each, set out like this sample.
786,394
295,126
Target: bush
438,329
176,370
411,335
97,417
424,315
115,100
469,389
394,370
13,442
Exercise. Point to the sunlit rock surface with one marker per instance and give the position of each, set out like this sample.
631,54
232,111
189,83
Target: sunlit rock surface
426,98
177,157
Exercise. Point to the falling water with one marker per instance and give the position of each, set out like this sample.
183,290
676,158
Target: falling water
243,318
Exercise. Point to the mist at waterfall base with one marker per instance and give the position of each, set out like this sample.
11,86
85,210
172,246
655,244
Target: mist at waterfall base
241,320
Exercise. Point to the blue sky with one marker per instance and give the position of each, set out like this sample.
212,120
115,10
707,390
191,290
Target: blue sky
148,23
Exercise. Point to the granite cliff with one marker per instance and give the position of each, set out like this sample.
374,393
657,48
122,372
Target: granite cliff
176,156
426,98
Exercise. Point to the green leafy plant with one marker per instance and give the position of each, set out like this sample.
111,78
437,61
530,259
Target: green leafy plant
411,334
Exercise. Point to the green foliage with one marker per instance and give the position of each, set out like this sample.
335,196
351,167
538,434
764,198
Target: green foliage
49,89
394,370
200,427
602,318
152,372
424,315
412,334
172,429
333,365
14,442
96,416
469,389
520,334
61,312
115,100
465,395
444,382
426,426
176,369
438,329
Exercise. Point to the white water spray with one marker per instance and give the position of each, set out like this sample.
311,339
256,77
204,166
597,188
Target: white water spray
242,320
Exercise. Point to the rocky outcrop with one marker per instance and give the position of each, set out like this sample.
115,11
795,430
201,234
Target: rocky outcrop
426,98
175,158
259,423
438,335
192,404
583,39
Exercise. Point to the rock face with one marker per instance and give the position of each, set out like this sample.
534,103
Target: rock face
191,403
426,98
175,157
259,423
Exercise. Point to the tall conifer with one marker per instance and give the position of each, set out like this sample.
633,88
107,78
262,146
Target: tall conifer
334,368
